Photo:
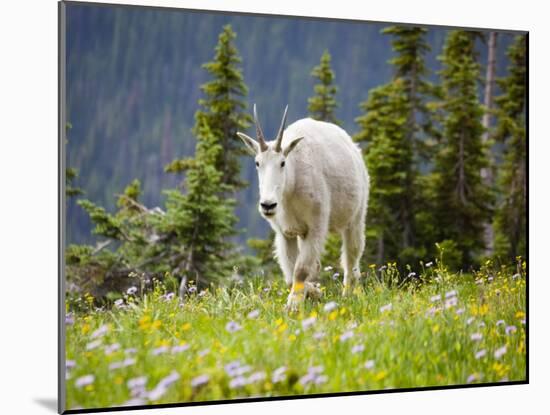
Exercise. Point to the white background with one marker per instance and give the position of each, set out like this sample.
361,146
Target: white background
28,204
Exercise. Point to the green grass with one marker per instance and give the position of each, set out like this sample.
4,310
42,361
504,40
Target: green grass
417,343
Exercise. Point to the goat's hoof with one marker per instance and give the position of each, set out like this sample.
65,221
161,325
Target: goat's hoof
313,292
294,301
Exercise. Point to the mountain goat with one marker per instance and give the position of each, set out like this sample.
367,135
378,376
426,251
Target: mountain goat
312,181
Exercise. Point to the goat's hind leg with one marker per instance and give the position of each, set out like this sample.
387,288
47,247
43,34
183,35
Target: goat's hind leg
353,244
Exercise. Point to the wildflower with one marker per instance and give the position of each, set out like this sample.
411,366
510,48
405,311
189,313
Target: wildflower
382,268
470,320
230,367
111,348
238,382
135,402
69,319
119,303
411,274
451,302
500,352
307,378
321,379
460,311
476,336
515,276
316,369
192,289
330,306
131,350
180,348
203,352
163,385
159,350
435,298
232,327
510,329
84,381
481,324
138,382
522,321
346,335
452,293
500,323
93,345
169,296
126,362
319,335
473,378
101,331
131,291
385,308
358,348
308,322
369,364
199,381
481,354
203,293
429,264
69,364
256,377
335,275
279,374
253,314
328,268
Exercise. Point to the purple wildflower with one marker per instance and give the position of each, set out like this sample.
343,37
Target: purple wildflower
199,381
319,335
369,364
111,348
253,314
500,352
160,350
330,306
180,348
481,354
346,335
476,336
69,319
510,329
84,381
238,382
308,322
131,291
93,345
100,332
435,298
386,307
279,374
358,348
232,327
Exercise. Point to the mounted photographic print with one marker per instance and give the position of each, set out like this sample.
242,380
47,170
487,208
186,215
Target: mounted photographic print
257,206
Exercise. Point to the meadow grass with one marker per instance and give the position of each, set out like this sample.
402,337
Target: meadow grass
438,328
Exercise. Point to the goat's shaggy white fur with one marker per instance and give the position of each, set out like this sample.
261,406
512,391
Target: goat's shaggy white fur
323,187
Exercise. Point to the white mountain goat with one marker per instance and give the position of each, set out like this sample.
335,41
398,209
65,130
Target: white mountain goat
312,180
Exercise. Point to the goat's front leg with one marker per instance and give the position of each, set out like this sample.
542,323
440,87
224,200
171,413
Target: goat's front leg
307,265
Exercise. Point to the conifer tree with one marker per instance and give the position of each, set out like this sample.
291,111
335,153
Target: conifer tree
223,109
70,176
462,202
201,218
510,218
398,122
321,107
389,158
323,104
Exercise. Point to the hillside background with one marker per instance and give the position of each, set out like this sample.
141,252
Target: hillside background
133,77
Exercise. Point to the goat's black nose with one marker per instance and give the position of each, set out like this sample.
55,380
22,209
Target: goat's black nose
268,206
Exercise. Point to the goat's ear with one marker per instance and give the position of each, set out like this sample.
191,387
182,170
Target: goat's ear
292,145
251,144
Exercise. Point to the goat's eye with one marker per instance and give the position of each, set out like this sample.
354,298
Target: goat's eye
257,164
283,163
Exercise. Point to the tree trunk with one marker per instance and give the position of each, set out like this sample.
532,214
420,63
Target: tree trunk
486,173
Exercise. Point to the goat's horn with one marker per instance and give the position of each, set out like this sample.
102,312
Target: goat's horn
259,132
280,133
